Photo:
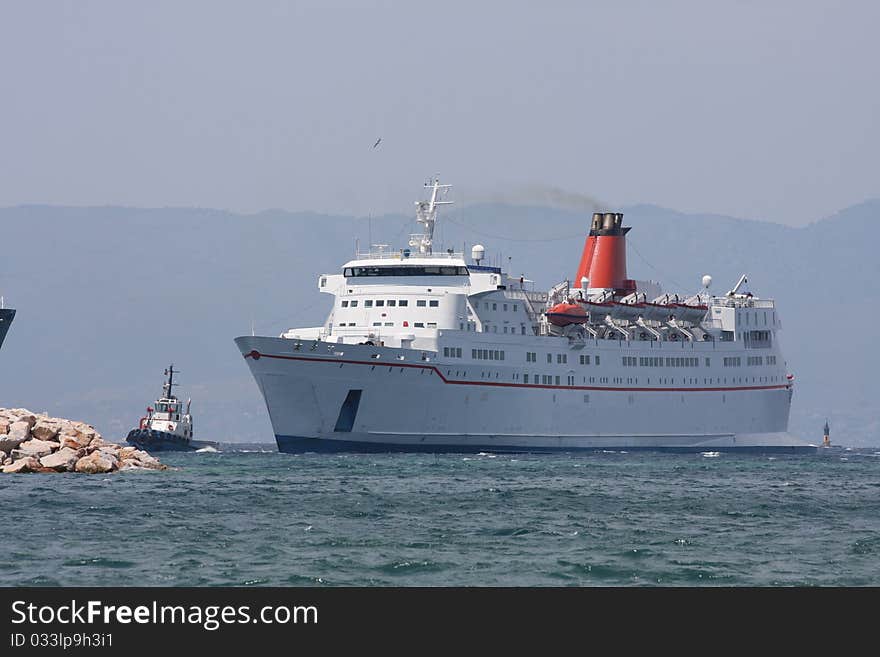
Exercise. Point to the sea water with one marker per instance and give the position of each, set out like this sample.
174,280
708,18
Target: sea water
256,517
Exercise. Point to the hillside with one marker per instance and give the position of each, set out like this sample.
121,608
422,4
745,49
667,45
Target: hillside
108,296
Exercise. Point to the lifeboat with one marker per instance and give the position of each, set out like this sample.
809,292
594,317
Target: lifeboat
690,313
563,314
598,309
656,312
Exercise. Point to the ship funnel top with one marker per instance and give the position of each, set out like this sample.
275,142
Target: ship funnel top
608,223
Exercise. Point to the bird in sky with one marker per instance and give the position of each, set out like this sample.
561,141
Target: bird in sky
377,142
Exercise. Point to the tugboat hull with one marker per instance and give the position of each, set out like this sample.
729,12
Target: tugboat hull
152,440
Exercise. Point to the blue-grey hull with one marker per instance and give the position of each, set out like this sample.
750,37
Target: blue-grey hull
6,317
304,445
159,441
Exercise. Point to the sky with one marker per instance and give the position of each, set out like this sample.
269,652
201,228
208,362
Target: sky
758,109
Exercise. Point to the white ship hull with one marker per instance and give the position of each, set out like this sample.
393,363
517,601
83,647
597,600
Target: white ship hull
324,396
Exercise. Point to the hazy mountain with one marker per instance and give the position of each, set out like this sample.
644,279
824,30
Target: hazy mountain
107,297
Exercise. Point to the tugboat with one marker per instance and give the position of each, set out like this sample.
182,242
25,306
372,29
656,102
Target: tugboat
164,427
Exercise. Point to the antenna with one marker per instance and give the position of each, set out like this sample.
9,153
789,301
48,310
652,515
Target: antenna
166,389
426,213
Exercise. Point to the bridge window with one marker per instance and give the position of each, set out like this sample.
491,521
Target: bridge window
403,303
345,304
354,303
404,270
421,303
433,303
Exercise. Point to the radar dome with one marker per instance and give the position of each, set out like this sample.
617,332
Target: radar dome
478,252
707,281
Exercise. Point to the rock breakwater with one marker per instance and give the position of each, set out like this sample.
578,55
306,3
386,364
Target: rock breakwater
33,442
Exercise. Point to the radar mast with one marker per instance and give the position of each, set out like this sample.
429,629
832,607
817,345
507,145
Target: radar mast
426,213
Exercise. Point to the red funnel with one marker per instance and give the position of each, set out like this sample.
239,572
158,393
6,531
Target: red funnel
607,260
583,270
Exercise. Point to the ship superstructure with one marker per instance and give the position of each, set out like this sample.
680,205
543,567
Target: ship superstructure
431,351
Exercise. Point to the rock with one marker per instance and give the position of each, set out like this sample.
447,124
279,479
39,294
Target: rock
19,430
72,442
150,462
94,463
8,444
63,460
45,431
4,425
86,434
28,419
27,464
35,447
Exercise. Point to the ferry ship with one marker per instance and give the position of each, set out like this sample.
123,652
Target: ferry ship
6,317
427,351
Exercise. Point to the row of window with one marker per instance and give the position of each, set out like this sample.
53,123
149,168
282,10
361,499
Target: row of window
548,379
503,306
754,360
545,379
732,361
755,317
415,324
585,359
561,359
391,303
452,352
487,354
